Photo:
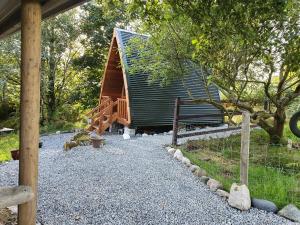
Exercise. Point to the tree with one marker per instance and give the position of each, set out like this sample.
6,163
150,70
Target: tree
99,18
9,80
59,36
249,49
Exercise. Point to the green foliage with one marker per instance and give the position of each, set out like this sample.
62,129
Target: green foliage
99,18
250,49
273,170
74,51
7,143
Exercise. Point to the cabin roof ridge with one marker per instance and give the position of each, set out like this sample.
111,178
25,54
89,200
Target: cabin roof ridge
130,31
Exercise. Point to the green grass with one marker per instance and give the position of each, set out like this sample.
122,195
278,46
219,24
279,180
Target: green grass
61,126
274,171
11,141
7,143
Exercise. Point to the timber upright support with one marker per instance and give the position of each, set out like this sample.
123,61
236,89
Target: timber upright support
245,144
175,121
30,105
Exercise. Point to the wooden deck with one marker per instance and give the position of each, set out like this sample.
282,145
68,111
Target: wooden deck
108,112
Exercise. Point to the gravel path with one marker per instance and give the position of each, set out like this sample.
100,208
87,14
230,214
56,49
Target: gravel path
126,182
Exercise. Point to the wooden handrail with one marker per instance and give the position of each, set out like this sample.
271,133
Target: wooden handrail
104,101
122,108
104,111
107,110
93,110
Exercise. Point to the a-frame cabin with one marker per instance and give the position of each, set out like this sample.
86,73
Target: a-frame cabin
130,100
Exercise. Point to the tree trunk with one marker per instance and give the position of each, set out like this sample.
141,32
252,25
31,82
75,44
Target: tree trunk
51,79
276,130
276,133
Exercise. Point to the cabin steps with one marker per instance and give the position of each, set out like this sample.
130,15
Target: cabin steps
106,113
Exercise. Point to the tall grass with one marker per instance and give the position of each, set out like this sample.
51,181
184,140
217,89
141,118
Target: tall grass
274,171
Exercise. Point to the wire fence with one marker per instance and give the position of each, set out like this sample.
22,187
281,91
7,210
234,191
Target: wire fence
273,172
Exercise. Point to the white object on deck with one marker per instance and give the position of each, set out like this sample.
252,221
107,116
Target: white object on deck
10,196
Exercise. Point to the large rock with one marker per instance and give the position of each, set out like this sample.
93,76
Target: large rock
172,151
193,168
239,197
222,193
200,172
178,155
264,205
290,212
186,161
214,184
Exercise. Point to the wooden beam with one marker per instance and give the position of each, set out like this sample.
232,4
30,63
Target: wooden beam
125,84
30,105
10,196
11,15
245,144
113,40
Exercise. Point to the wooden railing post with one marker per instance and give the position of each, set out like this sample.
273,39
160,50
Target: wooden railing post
30,105
245,142
175,121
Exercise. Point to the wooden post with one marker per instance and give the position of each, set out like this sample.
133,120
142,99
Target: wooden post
245,142
175,121
30,105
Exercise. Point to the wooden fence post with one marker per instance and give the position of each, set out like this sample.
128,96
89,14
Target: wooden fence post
175,121
30,105
245,142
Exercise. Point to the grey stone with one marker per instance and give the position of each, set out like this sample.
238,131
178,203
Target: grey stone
264,205
290,212
222,193
200,172
214,184
204,179
193,168
178,155
186,161
172,151
239,197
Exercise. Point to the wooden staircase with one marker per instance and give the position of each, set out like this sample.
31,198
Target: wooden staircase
107,112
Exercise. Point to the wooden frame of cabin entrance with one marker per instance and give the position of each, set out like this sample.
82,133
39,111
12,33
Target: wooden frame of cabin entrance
114,82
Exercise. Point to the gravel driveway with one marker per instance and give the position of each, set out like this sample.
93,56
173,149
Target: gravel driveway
126,182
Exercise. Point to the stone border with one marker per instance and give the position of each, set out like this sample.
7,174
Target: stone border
239,196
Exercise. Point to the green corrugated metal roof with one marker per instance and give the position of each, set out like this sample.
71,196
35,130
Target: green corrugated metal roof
153,105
